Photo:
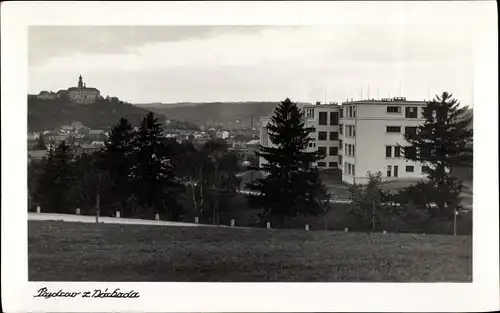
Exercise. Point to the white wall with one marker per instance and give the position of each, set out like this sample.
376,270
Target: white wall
371,141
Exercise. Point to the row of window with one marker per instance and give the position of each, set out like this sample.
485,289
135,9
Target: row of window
349,150
350,131
393,170
410,112
349,168
350,111
323,136
330,164
332,151
409,130
323,118
409,152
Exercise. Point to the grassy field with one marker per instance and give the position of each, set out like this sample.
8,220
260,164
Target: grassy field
61,251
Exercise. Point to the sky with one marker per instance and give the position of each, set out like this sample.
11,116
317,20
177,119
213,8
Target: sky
143,64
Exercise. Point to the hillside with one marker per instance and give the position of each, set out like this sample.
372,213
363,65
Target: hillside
225,113
50,114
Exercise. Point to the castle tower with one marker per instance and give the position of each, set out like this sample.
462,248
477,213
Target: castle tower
80,82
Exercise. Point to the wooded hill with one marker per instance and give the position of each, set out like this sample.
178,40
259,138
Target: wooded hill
102,114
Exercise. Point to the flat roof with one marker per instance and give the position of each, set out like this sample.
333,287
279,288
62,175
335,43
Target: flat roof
386,101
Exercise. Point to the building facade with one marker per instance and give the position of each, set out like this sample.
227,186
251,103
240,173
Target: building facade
322,121
371,138
83,94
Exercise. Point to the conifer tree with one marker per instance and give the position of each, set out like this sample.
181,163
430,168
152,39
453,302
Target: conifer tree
442,142
152,174
292,185
56,181
118,159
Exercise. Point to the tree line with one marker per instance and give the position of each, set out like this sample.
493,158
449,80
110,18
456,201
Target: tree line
138,173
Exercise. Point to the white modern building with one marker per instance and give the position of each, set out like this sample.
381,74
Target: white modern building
371,133
323,122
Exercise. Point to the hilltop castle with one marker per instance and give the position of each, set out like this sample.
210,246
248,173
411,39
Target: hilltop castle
81,94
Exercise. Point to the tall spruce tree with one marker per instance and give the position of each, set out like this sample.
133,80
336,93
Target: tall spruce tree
118,159
56,181
292,185
442,142
152,174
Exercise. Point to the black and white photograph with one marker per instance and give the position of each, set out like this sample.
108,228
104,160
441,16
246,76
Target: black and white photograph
254,152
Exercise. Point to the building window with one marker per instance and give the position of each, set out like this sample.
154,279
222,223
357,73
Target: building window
321,135
333,164
411,112
334,151
410,168
321,164
310,145
425,169
349,151
353,150
345,148
393,129
340,160
389,170
353,131
340,144
353,114
353,171
323,117
397,152
410,153
350,131
334,136
341,129
391,109
341,111
410,131
388,152
350,111
334,118
322,151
